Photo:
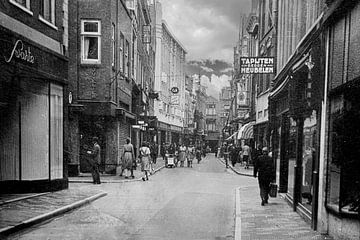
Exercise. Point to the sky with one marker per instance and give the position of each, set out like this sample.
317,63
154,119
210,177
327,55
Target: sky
209,30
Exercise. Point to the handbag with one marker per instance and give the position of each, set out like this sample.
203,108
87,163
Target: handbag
273,190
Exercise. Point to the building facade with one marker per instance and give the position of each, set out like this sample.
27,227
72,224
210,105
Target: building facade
339,188
295,104
103,80
212,123
169,82
34,46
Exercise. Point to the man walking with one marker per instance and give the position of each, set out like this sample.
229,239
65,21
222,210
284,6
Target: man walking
264,169
95,154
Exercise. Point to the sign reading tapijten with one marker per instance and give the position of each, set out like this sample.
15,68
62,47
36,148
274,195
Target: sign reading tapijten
259,65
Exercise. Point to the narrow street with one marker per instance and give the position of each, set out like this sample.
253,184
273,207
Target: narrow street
180,203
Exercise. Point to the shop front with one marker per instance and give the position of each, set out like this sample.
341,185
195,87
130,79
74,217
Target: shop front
32,116
295,105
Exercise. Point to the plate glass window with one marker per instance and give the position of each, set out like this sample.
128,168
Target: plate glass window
91,41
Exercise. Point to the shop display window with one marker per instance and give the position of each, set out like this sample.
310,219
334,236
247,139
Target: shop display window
308,160
343,190
292,156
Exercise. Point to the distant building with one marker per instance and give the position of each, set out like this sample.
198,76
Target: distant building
169,82
212,123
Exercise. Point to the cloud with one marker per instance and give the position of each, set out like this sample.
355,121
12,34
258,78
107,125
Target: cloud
207,28
207,69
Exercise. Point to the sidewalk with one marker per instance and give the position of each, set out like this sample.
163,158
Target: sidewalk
240,169
105,178
19,211
275,220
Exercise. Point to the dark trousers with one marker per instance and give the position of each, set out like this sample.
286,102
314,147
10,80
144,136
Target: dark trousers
95,173
264,189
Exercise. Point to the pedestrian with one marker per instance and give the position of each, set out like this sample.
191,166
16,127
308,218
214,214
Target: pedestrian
95,155
128,161
154,152
182,154
190,155
226,155
145,160
233,155
198,153
163,151
246,151
265,171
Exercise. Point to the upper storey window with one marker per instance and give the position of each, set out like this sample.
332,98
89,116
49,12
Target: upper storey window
23,4
91,41
47,12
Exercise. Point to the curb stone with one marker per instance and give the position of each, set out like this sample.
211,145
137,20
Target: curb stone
35,220
234,170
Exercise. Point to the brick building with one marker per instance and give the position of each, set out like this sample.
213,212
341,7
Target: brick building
32,95
101,77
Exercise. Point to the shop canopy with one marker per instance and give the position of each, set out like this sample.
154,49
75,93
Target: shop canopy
246,131
232,137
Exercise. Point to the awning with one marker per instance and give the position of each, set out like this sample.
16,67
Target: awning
246,131
232,136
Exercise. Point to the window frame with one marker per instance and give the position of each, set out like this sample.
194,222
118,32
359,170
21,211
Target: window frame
26,8
113,44
90,34
52,21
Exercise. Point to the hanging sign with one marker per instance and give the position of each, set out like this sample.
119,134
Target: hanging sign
258,65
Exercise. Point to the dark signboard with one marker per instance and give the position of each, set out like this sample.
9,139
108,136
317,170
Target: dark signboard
257,65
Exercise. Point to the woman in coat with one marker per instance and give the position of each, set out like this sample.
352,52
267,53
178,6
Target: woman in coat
182,155
128,159
145,161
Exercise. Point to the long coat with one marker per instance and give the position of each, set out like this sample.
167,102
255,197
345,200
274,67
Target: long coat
264,168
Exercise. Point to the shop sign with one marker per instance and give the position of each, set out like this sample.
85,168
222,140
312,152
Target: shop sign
20,52
175,90
175,100
257,65
146,36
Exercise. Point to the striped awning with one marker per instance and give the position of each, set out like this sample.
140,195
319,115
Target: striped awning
231,137
246,131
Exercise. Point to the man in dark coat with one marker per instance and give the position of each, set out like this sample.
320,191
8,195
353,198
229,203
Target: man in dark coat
95,155
265,171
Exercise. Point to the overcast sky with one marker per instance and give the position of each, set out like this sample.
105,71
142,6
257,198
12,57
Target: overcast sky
208,29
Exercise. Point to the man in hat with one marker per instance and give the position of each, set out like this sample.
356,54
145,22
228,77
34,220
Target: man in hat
95,154
265,171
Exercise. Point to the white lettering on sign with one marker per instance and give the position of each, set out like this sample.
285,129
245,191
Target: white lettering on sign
21,53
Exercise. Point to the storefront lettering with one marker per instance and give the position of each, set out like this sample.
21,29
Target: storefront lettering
21,53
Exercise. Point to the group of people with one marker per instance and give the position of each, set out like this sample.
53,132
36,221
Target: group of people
147,157
182,153
237,154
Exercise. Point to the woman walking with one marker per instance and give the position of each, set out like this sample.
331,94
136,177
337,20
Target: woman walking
145,161
182,155
190,155
128,159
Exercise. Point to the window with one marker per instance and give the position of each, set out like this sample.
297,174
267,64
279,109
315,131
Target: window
127,63
344,165
23,4
91,41
122,56
211,126
260,114
47,11
113,43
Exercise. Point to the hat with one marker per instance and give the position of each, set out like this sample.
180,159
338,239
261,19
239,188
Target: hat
265,149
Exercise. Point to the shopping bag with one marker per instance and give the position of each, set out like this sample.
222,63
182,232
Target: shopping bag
273,190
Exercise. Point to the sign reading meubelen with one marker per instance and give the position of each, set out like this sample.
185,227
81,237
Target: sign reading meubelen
259,65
